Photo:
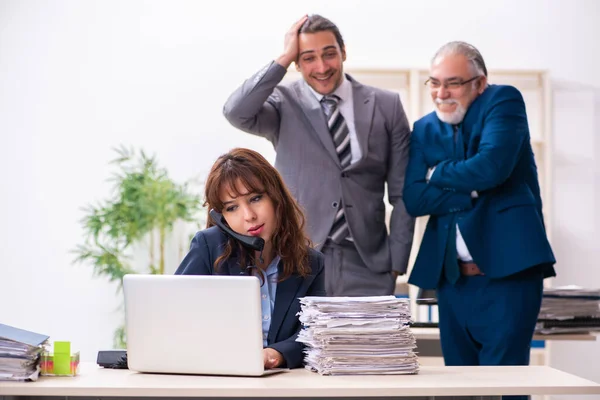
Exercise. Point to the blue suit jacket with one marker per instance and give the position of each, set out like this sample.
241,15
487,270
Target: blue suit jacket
208,245
503,228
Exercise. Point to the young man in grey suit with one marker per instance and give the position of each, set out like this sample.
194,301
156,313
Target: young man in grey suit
338,143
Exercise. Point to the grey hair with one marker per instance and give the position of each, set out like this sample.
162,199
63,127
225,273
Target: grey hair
465,49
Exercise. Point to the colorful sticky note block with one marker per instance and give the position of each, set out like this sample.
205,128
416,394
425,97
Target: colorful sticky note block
62,358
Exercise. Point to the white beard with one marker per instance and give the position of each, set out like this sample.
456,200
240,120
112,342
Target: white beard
453,118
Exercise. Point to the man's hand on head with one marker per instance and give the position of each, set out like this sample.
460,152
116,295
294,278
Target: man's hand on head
290,44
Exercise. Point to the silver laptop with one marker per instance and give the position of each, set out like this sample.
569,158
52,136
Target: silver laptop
188,324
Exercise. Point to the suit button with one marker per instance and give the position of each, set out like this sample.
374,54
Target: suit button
334,204
344,175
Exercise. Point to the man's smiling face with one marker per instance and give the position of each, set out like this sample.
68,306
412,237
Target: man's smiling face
320,60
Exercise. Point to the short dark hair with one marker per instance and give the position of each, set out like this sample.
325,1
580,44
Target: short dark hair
316,23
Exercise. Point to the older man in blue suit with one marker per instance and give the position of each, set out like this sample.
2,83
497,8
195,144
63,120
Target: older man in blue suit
485,247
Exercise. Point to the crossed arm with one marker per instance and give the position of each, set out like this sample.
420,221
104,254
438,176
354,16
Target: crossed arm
505,130
422,198
450,185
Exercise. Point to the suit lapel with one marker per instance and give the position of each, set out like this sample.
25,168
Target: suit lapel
471,119
286,294
232,267
364,105
316,117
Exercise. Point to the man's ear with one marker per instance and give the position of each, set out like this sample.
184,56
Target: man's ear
482,82
343,53
297,66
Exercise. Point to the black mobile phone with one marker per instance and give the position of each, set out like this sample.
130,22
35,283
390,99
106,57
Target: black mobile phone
253,242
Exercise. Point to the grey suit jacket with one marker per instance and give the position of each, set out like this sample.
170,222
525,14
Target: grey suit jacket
290,116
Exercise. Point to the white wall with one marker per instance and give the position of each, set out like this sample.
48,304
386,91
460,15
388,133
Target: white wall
77,77
576,218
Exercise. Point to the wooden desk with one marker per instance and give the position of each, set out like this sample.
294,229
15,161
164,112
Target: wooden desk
489,382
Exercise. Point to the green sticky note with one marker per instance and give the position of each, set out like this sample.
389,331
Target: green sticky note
62,358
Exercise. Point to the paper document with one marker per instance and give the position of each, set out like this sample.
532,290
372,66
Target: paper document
357,335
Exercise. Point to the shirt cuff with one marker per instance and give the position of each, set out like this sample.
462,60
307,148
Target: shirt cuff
430,173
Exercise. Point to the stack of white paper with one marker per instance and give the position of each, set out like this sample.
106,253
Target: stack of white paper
20,353
357,335
569,309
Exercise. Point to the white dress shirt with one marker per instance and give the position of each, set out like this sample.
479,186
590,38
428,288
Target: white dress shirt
346,105
461,247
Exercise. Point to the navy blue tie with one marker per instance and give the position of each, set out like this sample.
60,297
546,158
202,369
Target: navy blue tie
451,271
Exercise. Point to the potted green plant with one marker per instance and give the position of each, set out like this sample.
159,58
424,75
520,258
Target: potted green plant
143,208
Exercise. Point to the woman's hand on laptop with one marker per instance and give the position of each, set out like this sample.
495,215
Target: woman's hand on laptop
272,357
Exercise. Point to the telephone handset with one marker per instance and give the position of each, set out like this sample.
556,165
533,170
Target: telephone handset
253,242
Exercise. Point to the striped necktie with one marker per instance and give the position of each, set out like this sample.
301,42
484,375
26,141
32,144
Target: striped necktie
341,140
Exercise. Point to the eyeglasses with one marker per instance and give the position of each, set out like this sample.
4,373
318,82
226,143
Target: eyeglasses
451,85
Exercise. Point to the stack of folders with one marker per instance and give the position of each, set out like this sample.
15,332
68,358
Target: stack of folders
357,335
20,352
569,309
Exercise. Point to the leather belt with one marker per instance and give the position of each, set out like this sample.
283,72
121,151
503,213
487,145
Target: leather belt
469,268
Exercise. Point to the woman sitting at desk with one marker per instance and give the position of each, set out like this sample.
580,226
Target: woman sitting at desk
249,195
